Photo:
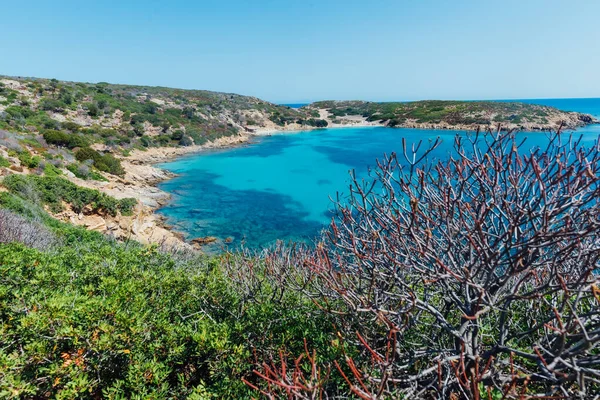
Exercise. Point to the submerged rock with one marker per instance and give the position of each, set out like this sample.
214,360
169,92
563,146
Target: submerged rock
203,240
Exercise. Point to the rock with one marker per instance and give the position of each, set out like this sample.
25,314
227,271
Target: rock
16,168
229,239
203,240
95,223
124,223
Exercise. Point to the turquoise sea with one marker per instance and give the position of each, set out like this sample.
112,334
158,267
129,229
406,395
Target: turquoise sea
280,186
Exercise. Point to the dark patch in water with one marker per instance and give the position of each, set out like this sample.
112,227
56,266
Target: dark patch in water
256,217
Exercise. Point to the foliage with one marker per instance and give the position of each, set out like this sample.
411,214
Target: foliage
199,113
103,162
96,318
49,104
4,163
17,229
51,170
28,160
58,138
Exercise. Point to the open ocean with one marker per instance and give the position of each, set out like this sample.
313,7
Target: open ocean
280,186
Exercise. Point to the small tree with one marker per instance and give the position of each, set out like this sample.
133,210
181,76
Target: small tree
474,276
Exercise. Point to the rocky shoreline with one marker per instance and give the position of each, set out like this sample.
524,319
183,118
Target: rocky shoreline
142,177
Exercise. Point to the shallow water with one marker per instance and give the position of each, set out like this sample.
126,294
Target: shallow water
280,187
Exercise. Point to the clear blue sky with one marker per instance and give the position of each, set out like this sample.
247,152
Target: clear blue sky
296,51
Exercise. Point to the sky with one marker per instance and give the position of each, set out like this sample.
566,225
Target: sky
289,51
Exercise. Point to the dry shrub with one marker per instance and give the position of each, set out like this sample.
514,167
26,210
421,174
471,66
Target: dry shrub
472,277
15,228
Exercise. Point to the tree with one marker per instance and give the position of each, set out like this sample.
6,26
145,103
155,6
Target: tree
474,276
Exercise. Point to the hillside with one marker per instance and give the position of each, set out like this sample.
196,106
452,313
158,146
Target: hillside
134,116
461,115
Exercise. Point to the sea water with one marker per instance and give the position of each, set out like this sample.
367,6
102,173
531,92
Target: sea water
283,186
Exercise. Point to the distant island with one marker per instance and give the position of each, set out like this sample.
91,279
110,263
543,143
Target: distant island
105,137
460,115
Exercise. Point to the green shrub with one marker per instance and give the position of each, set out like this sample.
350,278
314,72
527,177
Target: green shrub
186,141
70,126
110,320
69,140
108,163
92,109
87,153
28,160
177,135
48,104
53,191
51,171
4,162
16,112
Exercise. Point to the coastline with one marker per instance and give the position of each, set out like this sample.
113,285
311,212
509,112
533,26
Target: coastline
142,177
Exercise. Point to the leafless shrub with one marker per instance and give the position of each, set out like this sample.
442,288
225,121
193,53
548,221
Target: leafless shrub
40,139
11,143
83,170
15,228
471,277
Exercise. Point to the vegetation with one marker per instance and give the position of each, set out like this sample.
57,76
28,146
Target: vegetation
54,191
474,277
78,114
416,291
4,162
88,317
102,162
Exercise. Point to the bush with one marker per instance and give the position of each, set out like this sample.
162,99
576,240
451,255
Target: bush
51,170
318,123
63,139
48,104
4,162
95,318
108,163
70,126
92,109
17,112
87,153
186,141
177,135
28,160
